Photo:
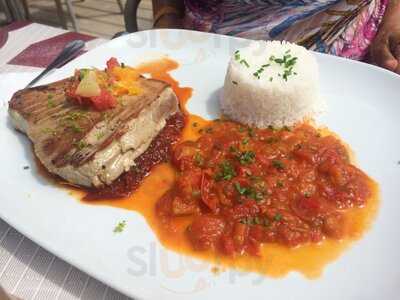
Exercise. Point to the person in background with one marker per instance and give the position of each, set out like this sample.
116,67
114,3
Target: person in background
358,29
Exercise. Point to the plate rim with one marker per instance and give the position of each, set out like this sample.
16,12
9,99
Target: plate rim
73,261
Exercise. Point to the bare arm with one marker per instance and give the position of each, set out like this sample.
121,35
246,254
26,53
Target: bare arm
168,13
385,49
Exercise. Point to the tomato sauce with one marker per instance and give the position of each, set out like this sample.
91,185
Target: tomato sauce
246,186
270,201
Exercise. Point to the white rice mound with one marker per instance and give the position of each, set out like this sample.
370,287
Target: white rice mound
268,97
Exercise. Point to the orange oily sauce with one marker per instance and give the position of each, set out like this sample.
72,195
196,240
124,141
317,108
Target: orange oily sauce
159,69
275,260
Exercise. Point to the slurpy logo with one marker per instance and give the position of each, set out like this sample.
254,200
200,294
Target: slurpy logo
182,274
202,46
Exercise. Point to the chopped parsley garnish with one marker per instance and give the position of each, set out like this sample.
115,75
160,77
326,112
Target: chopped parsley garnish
258,196
198,159
244,62
252,221
249,192
247,221
226,171
233,149
100,135
307,194
237,55
245,141
246,157
241,129
258,72
286,128
251,132
122,65
47,130
106,116
279,183
120,227
241,190
287,73
278,217
75,128
287,62
70,120
278,164
81,145
50,103
75,115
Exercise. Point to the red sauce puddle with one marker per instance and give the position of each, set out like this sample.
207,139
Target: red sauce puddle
275,260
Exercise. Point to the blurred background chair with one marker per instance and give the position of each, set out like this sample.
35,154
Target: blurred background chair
14,10
101,18
130,15
71,12
17,10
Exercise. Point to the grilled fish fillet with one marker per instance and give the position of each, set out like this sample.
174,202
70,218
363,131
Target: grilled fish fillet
84,146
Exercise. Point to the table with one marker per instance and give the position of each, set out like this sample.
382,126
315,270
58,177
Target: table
27,270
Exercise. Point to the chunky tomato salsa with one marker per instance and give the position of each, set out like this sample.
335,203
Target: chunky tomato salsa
244,187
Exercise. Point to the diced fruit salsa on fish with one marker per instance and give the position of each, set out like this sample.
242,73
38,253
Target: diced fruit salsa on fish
102,89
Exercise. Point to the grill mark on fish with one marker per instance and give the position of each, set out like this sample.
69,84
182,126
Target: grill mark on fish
60,131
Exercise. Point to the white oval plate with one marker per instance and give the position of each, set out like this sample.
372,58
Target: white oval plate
364,109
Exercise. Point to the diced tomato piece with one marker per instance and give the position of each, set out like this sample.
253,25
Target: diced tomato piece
247,209
184,155
209,198
306,208
338,175
227,245
269,236
189,183
205,231
305,154
240,232
163,207
257,232
181,207
253,247
333,226
104,101
111,63
291,237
